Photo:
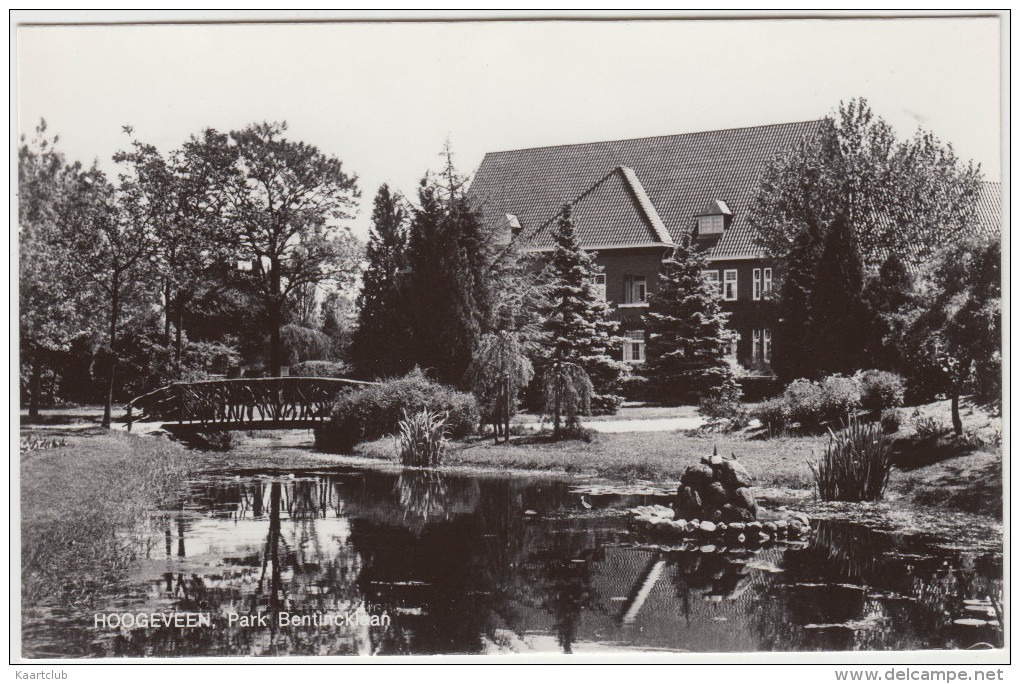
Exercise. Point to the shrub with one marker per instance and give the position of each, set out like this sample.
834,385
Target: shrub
773,415
880,390
891,420
803,400
840,397
856,464
320,369
927,427
421,439
375,411
210,358
724,413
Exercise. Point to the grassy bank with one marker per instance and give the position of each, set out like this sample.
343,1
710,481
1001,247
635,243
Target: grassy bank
780,462
79,505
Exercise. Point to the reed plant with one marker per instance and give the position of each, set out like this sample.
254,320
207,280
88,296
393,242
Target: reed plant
422,438
856,463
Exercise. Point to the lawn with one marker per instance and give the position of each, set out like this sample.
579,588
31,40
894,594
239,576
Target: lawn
84,505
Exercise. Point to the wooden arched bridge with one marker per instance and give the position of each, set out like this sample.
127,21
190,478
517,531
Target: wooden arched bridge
240,404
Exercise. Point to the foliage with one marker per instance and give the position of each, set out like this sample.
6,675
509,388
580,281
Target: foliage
773,415
803,401
926,427
880,390
890,420
448,295
840,396
378,347
910,198
953,341
856,464
568,393
320,369
793,330
837,315
375,411
499,355
687,334
210,358
724,412
577,326
888,297
285,202
421,439
299,343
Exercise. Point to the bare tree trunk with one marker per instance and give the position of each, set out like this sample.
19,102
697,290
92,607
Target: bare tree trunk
35,384
179,341
166,315
955,404
114,314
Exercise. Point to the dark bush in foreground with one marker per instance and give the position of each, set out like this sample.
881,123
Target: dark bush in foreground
856,464
880,390
376,411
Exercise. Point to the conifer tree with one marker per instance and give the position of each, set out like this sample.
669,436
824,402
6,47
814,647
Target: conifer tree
838,321
887,297
687,334
577,325
792,352
378,347
448,288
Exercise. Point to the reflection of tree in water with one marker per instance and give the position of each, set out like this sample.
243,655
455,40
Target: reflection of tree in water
564,581
293,571
422,497
865,589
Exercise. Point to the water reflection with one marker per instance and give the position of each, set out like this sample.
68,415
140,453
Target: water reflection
483,565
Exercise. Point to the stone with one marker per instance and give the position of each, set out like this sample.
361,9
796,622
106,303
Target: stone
754,527
707,527
736,527
802,517
770,528
681,522
721,528
707,548
715,495
690,527
716,516
697,475
734,474
743,498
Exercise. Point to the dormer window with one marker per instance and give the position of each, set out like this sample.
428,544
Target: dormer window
713,218
710,225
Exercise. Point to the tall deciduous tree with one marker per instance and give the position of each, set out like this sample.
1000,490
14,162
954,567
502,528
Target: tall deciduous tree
687,333
888,297
379,345
577,326
53,304
285,202
112,244
910,198
447,291
954,339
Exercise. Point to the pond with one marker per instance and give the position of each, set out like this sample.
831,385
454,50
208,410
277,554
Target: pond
358,561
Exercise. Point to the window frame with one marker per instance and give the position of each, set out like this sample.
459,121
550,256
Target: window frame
711,224
766,345
600,287
712,275
634,344
766,289
756,288
726,282
756,344
631,285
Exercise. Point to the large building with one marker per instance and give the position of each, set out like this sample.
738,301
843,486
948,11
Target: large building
633,200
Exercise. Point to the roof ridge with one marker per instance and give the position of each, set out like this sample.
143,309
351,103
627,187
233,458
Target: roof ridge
653,137
645,202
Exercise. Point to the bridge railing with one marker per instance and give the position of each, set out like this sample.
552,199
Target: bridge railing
240,401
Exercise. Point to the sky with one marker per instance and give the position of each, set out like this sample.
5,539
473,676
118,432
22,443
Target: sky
384,97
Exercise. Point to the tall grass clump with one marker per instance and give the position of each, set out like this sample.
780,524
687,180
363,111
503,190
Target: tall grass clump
421,439
856,463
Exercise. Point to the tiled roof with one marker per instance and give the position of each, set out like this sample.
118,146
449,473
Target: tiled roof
614,212
989,209
679,175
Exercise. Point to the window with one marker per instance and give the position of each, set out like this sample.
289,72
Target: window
710,225
756,290
599,281
730,285
634,346
762,348
635,289
713,278
767,291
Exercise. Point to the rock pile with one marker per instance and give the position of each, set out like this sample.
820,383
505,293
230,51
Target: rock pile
718,490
